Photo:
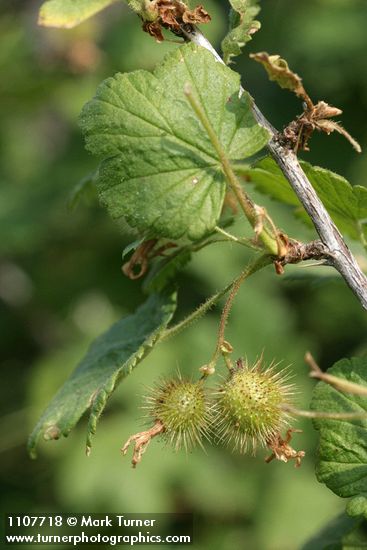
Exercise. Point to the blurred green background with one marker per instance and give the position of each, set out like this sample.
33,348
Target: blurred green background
61,283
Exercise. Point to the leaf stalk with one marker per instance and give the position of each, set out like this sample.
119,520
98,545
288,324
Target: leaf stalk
268,237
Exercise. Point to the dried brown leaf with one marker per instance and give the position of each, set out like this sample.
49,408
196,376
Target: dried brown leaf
279,72
172,14
324,110
197,15
317,117
329,126
154,29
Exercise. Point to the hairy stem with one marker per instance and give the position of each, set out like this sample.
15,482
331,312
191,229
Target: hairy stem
338,383
249,270
326,415
261,262
340,256
195,315
233,238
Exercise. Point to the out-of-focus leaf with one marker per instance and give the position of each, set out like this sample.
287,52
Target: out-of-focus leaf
357,506
242,25
342,533
161,172
84,189
69,13
346,204
165,270
342,456
111,357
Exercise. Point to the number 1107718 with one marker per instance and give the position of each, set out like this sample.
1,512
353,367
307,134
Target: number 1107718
34,521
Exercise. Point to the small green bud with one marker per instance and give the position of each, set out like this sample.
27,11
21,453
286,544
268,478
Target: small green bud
249,406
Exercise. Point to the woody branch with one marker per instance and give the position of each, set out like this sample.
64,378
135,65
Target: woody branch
337,251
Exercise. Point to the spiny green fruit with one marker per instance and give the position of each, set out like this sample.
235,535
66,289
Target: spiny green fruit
183,409
248,408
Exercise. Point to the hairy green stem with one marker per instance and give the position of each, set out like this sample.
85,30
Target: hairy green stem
326,415
233,238
338,383
248,206
195,315
258,264
249,270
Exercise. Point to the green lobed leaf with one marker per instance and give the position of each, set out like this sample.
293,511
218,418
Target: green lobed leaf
342,533
242,25
342,453
161,172
69,13
346,204
111,357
